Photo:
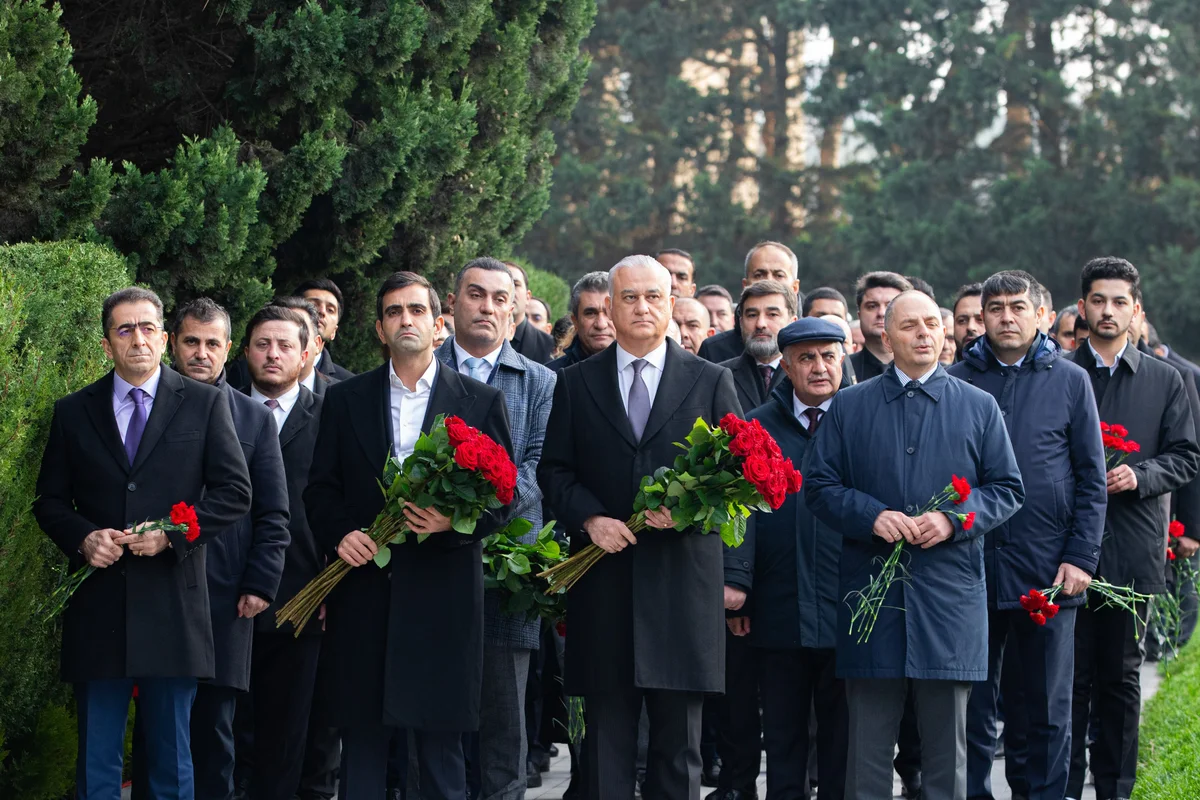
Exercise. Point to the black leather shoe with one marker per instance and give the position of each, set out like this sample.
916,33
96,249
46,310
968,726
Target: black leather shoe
910,791
533,777
552,750
711,773
395,794
540,761
732,794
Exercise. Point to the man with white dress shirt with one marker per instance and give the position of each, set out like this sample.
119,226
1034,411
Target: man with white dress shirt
404,643
482,304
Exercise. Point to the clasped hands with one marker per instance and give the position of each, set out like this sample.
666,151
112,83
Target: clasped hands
356,548
924,531
102,548
612,535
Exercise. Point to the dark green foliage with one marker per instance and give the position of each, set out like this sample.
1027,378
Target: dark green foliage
50,299
550,287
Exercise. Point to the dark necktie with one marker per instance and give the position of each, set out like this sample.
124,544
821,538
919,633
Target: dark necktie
639,400
137,423
814,418
766,370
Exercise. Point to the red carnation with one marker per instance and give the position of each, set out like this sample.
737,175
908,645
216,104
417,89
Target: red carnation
183,514
1175,528
969,522
961,487
1132,447
1029,603
1118,430
1170,554
1105,427
1038,617
1050,610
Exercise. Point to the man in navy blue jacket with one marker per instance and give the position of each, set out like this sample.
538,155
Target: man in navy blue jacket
1050,412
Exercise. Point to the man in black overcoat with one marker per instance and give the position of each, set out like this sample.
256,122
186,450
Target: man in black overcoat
647,622
404,643
534,344
122,451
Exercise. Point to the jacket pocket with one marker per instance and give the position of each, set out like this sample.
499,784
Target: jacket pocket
1064,510
191,572
181,436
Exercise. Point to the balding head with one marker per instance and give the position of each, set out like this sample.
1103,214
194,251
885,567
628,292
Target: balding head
914,332
695,322
640,303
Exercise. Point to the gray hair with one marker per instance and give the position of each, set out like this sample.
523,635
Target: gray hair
639,261
202,309
133,294
795,262
591,282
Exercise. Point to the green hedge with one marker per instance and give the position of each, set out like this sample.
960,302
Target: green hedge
548,286
1169,740
50,298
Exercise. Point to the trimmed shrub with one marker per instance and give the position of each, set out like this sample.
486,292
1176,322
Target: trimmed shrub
551,288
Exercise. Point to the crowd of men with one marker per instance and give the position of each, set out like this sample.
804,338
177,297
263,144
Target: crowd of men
692,658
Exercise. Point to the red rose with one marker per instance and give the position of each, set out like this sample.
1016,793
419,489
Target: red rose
961,487
741,446
794,479
1118,430
731,424
1175,528
467,454
777,488
458,431
1038,617
757,470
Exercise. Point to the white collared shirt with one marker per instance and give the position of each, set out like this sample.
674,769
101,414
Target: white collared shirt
310,382
799,408
286,401
1116,361
656,359
408,408
123,404
489,361
905,380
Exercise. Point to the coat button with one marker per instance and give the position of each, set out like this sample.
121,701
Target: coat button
131,486
910,509
910,394
912,450
746,564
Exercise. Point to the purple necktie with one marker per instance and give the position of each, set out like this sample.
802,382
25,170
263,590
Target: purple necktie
137,424
814,418
767,372
272,404
639,400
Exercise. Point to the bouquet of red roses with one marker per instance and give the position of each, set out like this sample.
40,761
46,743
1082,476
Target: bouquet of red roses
1117,447
726,472
454,468
182,518
870,599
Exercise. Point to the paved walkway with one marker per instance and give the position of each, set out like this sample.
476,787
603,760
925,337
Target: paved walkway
555,781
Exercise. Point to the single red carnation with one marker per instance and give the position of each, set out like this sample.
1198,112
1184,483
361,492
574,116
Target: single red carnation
1105,427
969,522
1132,447
183,514
961,487
1038,617
1170,554
1029,604
1118,430
1175,528
1050,610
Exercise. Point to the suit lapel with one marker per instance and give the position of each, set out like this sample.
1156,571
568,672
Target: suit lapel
449,397
679,376
599,375
370,415
748,378
170,397
298,419
100,411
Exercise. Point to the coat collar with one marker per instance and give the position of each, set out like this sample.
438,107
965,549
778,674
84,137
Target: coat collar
298,418
1042,352
509,358
1131,357
934,387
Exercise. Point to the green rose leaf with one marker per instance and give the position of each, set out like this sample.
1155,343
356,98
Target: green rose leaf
383,557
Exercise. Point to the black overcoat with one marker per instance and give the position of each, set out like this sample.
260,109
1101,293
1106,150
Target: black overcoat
652,615
404,644
143,617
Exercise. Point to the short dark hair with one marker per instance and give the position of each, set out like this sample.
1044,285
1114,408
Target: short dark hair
562,326
486,263
545,305
921,285
1046,299
514,265
278,313
1110,268
765,288
131,294
1081,324
822,293
402,280
202,309
1009,282
675,251
302,305
325,285
879,280
591,282
714,290
967,290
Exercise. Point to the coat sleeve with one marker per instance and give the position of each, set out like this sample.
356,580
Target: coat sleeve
1082,548
529,495
572,502
324,497
826,488
227,489
998,493
1178,456
269,515
54,506
739,561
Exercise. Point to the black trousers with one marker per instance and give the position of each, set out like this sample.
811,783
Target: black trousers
907,762
792,683
1037,704
283,676
673,760
366,751
1108,658
212,745
739,728
322,757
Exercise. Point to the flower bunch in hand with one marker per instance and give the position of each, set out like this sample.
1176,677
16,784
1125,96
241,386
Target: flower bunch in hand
1042,608
1117,447
513,568
182,519
870,599
1041,605
456,469
725,472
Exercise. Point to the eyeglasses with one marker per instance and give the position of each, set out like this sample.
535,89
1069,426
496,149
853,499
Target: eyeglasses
147,329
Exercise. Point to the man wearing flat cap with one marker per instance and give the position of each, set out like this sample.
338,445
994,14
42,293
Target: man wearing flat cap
786,574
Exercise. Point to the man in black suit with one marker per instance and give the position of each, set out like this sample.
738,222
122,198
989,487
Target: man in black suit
122,451
593,328
327,297
765,308
536,345
405,642
872,294
615,419
284,665
766,261
244,563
